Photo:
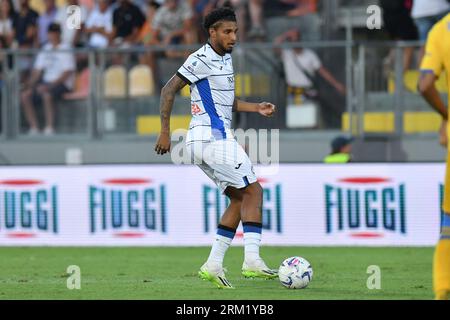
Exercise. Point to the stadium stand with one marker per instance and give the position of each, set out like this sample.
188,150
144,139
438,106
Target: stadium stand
115,82
140,81
129,90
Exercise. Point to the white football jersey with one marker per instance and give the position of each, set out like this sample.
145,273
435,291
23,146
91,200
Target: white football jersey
211,80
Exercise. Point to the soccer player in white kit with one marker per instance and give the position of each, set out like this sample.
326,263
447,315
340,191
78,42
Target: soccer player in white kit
211,144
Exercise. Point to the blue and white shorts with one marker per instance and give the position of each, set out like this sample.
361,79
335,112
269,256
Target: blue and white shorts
224,161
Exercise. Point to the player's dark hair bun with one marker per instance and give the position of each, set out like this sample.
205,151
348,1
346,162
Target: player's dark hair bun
224,13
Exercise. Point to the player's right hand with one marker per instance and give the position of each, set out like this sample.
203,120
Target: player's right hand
443,134
163,143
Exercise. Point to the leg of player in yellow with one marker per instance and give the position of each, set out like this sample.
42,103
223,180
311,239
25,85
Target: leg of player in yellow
441,262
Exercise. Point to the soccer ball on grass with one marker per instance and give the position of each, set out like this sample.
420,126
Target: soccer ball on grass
295,273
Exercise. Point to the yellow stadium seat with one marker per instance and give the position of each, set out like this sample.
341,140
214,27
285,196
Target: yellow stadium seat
372,122
425,121
140,79
152,124
242,85
186,92
411,79
260,85
384,122
114,82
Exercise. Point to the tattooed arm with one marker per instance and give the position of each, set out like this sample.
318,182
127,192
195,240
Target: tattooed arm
168,92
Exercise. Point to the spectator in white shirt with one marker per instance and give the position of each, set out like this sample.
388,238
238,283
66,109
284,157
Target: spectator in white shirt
52,76
172,25
301,65
7,16
99,25
425,14
45,19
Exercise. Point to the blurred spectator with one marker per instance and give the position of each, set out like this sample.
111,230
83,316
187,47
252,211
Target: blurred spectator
302,7
71,35
173,25
256,16
25,26
52,76
425,14
146,32
200,8
146,37
400,26
291,8
25,30
301,65
127,22
341,150
99,25
141,4
203,7
88,4
7,16
45,19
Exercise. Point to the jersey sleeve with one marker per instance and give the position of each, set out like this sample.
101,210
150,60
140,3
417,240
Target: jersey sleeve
432,60
194,69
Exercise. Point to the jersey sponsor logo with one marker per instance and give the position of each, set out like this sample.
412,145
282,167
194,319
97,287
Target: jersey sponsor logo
215,203
127,207
231,81
28,208
365,207
195,109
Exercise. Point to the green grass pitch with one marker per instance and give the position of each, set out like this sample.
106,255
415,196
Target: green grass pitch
171,273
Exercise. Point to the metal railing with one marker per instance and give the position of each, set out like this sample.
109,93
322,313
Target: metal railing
357,65
388,88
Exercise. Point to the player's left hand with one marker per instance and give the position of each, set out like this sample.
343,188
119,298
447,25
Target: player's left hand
267,109
163,143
